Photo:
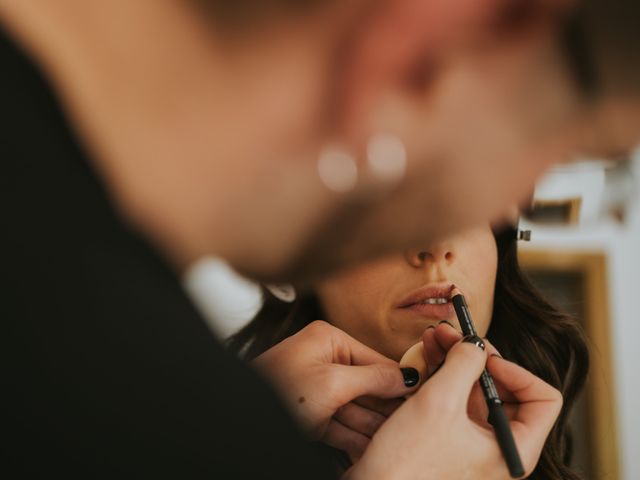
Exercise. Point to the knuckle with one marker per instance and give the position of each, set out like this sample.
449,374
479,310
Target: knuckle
317,327
371,424
332,386
356,445
383,375
341,412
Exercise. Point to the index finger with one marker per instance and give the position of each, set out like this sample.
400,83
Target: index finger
537,410
459,372
344,349
520,384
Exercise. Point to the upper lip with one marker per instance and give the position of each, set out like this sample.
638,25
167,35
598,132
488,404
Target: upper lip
441,290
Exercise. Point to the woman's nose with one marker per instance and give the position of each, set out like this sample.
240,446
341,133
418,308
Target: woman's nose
435,253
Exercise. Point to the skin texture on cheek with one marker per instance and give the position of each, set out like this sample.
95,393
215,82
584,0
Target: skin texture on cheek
478,258
358,300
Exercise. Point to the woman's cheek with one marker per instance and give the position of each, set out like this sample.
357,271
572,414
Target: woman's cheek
485,321
485,277
345,308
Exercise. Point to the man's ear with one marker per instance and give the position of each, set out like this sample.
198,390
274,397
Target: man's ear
401,44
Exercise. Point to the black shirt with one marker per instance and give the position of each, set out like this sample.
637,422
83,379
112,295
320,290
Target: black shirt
108,371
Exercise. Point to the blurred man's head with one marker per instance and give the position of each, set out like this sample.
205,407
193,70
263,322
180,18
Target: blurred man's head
485,96
208,117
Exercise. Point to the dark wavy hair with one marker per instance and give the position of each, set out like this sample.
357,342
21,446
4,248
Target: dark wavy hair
525,329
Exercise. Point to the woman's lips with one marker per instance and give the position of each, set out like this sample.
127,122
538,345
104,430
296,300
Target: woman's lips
432,301
439,311
423,294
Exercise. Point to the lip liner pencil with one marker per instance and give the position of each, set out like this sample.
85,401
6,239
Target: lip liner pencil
497,418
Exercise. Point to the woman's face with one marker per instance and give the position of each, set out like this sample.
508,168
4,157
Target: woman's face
389,303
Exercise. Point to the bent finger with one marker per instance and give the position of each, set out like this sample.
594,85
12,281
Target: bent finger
447,336
343,438
520,384
344,349
533,417
359,419
459,372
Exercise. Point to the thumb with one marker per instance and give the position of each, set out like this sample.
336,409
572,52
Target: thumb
461,370
382,380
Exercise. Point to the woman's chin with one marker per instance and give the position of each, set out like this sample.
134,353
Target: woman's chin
405,332
411,326
402,341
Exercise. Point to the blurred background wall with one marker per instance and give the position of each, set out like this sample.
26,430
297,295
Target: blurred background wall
620,246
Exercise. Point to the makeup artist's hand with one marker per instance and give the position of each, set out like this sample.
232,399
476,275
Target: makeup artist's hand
437,342
341,390
433,436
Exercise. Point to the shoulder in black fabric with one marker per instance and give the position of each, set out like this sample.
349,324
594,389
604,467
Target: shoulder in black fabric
109,369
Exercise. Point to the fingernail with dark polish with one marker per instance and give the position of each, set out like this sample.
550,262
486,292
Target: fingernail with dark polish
476,340
411,376
447,322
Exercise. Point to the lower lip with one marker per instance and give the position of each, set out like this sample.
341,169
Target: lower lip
441,311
